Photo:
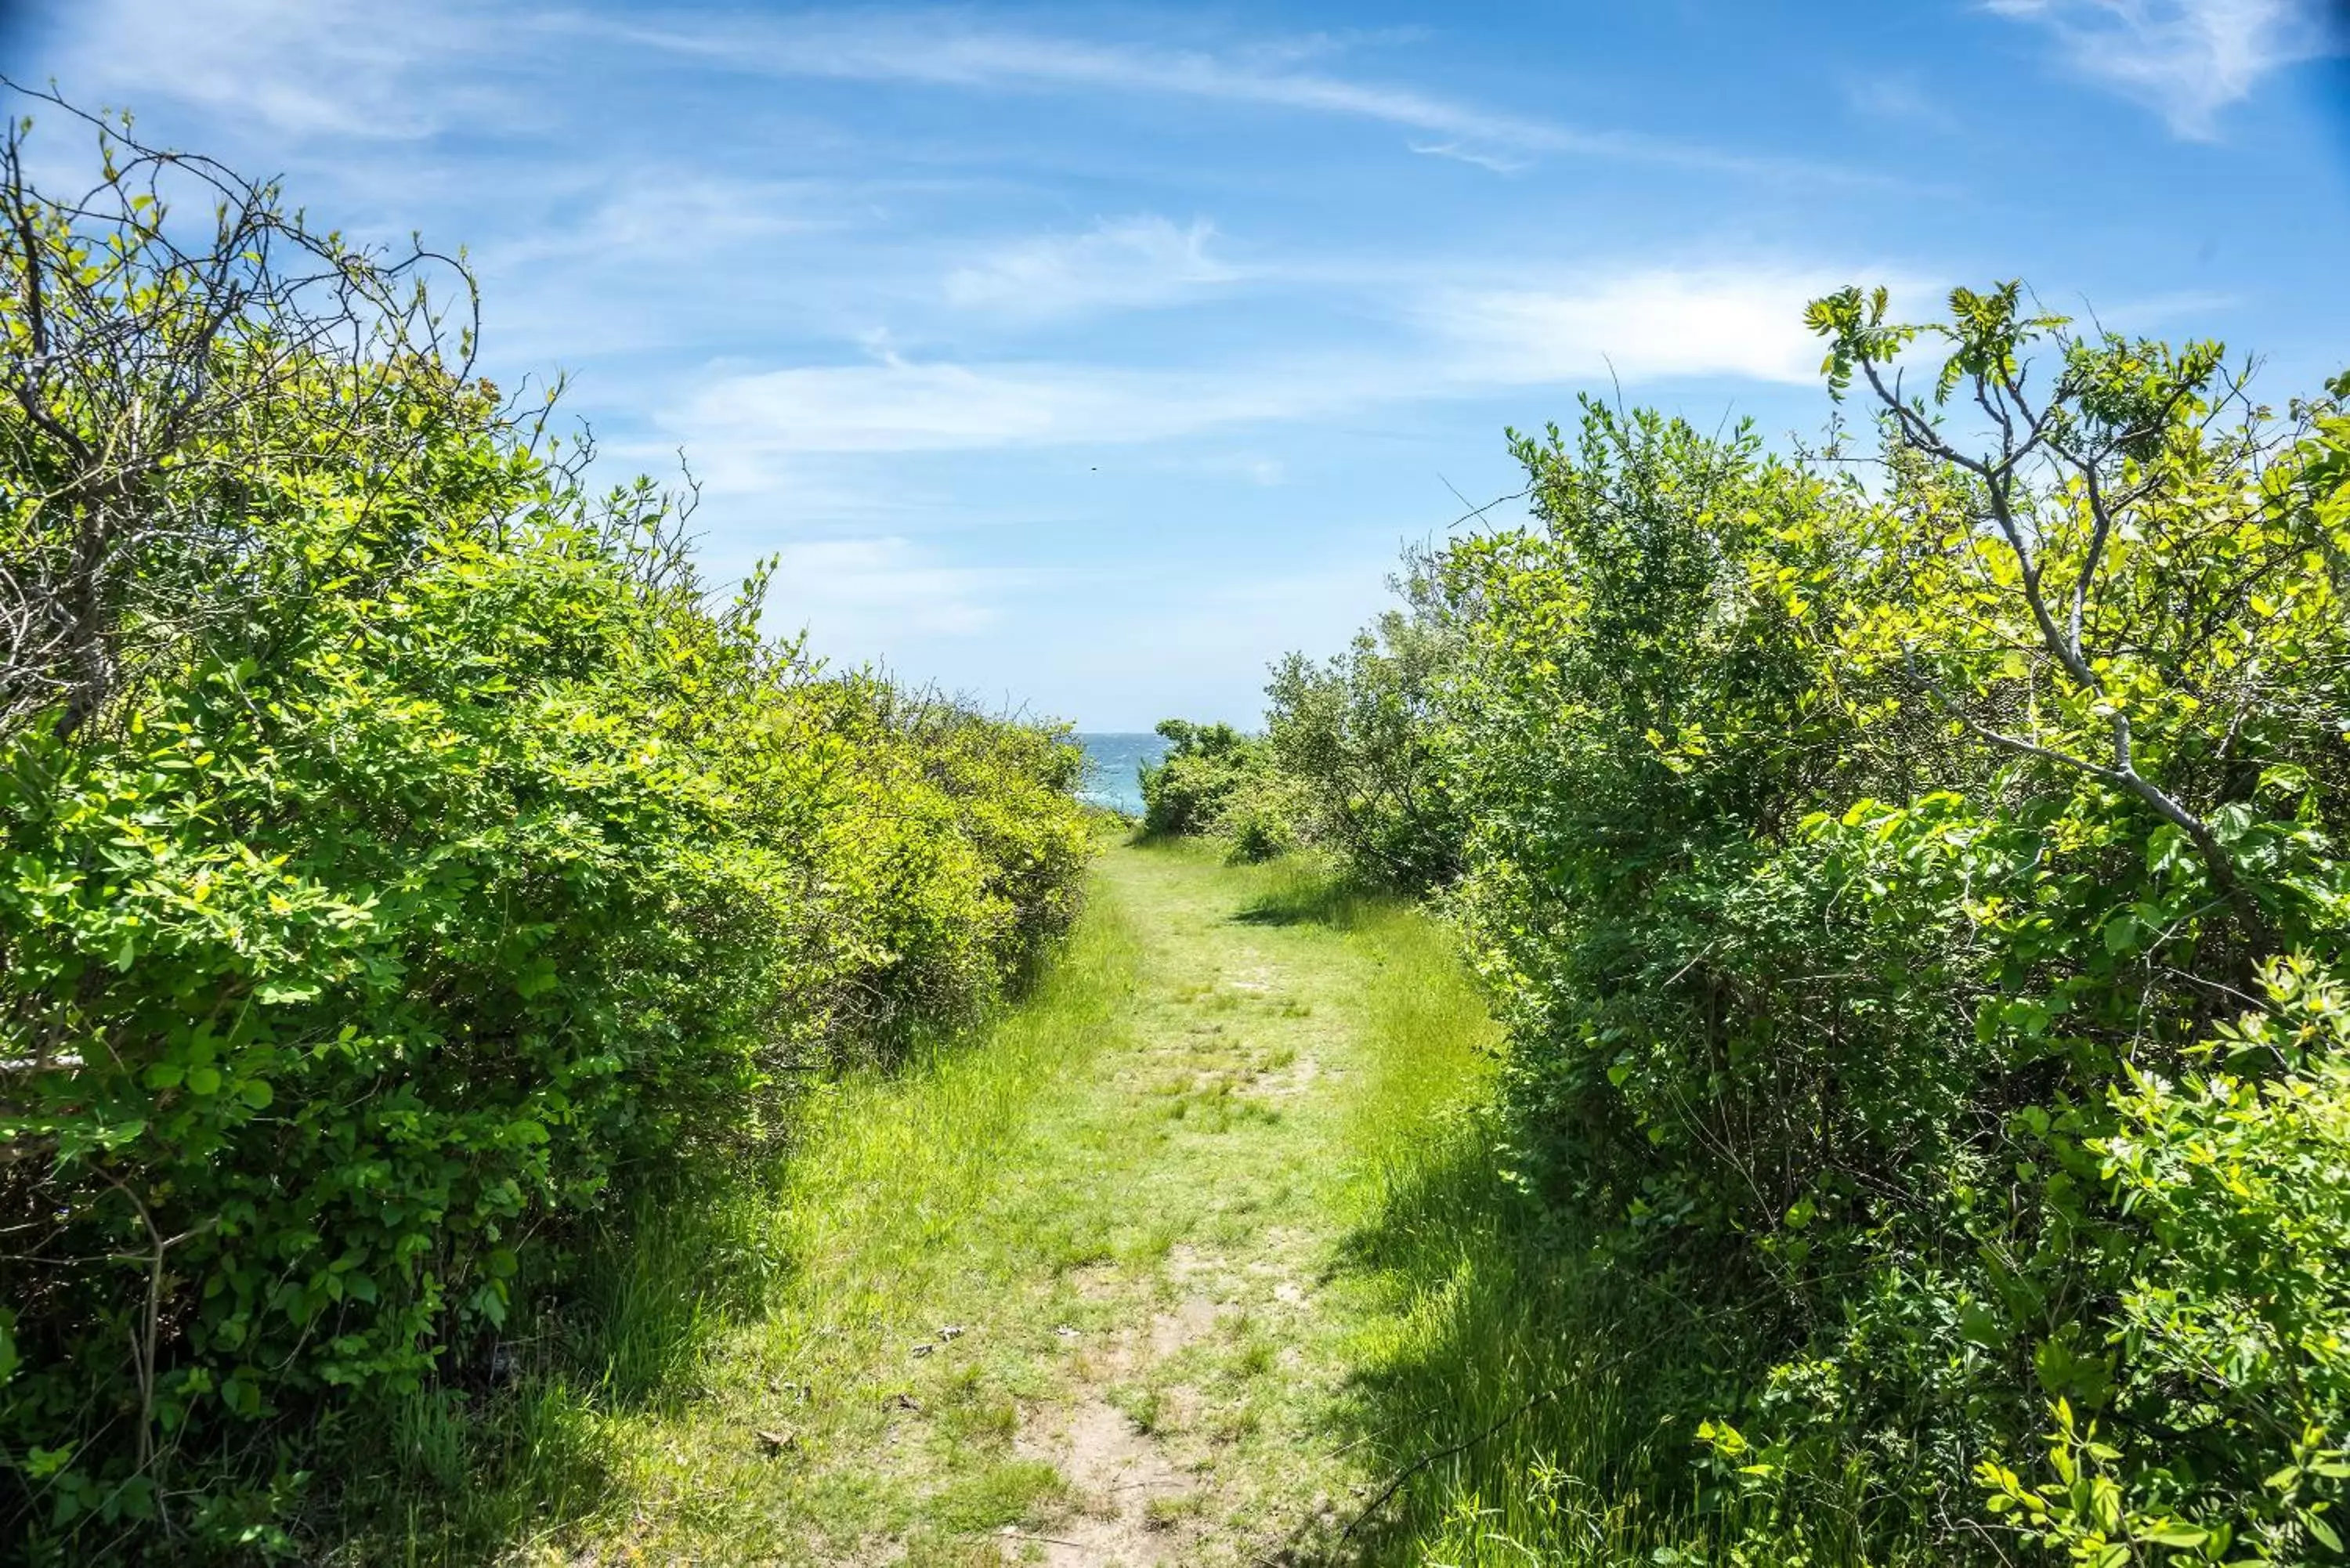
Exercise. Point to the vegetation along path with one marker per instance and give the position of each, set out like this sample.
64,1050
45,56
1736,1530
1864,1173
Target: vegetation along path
1081,1292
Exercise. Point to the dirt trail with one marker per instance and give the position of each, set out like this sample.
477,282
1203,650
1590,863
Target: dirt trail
1137,1230
1234,1011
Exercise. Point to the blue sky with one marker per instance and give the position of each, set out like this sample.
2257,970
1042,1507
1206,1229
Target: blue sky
1086,358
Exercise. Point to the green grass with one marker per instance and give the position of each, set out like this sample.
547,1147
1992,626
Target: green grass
1230,1179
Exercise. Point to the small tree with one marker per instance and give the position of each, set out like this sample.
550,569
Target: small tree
1206,765
1357,733
2115,576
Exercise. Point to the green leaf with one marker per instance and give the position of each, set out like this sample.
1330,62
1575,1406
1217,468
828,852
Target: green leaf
536,980
241,1394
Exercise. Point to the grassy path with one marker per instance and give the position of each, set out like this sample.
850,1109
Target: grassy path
1079,1293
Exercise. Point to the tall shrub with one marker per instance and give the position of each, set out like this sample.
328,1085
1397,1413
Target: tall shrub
1917,909
402,859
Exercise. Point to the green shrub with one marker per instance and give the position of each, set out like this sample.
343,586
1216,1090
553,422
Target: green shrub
1206,767
1260,820
1354,737
1217,783
1859,869
402,864
2230,1360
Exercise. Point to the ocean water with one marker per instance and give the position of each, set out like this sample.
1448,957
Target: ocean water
1111,764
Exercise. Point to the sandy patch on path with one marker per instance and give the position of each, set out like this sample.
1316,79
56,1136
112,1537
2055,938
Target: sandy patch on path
1136,1506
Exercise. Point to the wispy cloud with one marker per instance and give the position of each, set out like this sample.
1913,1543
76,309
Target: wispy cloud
2186,59
850,591
741,426
1470,155
946,49
1899,98
1636,326
329,67
1129,263
633,258
647,210
305,67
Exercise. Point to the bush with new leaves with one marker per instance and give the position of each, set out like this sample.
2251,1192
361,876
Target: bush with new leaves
443,868
1919,910
1205,769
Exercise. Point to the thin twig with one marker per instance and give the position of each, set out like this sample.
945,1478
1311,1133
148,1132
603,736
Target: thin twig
1427,1459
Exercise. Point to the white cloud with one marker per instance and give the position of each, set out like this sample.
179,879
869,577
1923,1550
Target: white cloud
304,68
308,68
943,49
1899,98
648,213
1130,264
1492,161
2186,59
946,49
741,427
1640,327
642,258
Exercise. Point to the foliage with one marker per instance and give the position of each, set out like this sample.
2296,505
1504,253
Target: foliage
370,941
152,358
1873,880
1353,736
1260,821
2230,1322
1206,771
1345,765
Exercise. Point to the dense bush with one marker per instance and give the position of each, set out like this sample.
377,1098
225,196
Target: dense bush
402,861
1212,782
1917,909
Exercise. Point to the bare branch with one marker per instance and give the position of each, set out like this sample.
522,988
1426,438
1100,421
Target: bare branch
149,367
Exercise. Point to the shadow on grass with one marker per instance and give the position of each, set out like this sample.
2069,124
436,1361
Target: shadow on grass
1300,892
1295,888
507,1445
613,1413
1538,1400
1528,1400
511,1444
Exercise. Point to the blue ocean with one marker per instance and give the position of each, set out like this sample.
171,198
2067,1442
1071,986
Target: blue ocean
1111,764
